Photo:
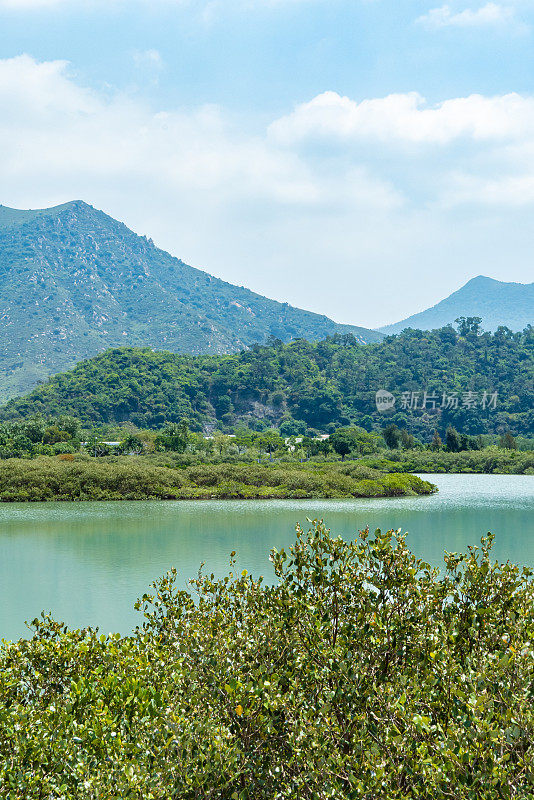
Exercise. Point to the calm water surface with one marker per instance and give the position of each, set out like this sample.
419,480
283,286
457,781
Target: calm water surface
87,562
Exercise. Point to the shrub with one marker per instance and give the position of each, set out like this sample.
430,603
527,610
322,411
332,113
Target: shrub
363,673
75,477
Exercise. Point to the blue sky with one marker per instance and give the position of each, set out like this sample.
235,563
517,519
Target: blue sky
361,158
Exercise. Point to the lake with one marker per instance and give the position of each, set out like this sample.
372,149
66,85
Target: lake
88,562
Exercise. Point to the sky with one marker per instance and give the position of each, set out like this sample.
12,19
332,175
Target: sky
359,158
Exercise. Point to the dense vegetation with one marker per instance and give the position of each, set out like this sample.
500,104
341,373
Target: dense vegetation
490,460
363,673
176,446
71,477
305,387
74,282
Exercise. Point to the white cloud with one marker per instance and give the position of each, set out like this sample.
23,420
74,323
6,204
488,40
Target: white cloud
148,58
149,64
209,8
487,15
407,118
23,5
31,90
44,110
511,190
313,226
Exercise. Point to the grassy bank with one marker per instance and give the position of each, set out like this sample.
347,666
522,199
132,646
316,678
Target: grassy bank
139,478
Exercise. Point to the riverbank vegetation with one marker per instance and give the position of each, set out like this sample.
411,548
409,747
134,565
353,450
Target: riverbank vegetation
363,673
69,477
390,450
491,460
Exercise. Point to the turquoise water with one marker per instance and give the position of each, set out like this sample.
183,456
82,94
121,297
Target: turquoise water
87,562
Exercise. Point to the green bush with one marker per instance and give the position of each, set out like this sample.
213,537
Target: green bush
138,478
492,460
363,673
46,478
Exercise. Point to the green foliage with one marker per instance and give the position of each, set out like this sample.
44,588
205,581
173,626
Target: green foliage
44,479
139,478
174,437
354,440
363,673
492,460
468,325
392,435
507,441
37,436
452,440
436,443
324,386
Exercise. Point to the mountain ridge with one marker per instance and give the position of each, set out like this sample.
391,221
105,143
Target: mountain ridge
75,282
496,302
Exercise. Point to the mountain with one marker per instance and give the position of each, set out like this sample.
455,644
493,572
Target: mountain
304,385
498,303
74,282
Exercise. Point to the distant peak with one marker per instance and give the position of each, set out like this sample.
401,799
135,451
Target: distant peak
70,204
12,217
486,282
481,279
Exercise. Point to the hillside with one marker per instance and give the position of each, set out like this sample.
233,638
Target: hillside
303,385
75,282
496,302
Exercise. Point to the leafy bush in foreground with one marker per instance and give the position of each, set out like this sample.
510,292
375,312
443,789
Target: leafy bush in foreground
362,674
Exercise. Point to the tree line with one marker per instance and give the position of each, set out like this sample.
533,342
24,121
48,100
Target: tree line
65,435
473,381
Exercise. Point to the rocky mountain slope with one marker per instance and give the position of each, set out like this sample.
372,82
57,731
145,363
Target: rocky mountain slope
74,282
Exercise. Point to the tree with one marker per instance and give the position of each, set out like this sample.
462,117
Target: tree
507,441
53,434
292,427
132,445
452,440
174,437
468,325
391,436
342,442
269,442
436,441
407,439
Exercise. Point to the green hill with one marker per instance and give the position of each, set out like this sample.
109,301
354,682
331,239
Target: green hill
305,385
74,282
497,303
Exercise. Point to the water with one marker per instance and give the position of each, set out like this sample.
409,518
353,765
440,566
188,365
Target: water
88,562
